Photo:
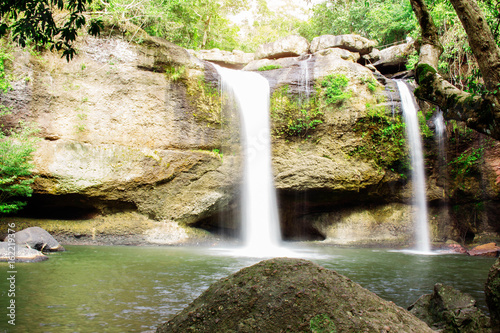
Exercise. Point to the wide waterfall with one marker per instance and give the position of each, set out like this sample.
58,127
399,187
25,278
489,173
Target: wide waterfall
417,164
260,222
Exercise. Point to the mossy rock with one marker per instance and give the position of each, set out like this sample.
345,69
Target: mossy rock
291,295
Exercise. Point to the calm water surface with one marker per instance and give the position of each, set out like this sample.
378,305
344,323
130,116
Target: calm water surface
133,289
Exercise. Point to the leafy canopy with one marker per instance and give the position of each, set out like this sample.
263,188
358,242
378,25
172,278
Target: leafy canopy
53,23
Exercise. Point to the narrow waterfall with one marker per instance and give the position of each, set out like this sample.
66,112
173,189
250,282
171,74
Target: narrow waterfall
304,90
417,164
440,128
260,222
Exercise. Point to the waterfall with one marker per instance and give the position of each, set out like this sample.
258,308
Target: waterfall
440,128
304,90
260,229
417,164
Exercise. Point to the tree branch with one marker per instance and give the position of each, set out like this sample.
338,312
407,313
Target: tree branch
481,113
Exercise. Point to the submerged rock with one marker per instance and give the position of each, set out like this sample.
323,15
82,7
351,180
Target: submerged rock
37,238
492,293
13,252
291,295
450,310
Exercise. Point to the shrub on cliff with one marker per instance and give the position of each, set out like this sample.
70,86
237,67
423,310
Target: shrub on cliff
16,148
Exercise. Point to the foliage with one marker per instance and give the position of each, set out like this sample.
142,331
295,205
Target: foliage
16,148
267,25
269,67
292,117
425,131
53,23
198,24
175,73
384,139
4,78
334,88
385,21
370,83
466,163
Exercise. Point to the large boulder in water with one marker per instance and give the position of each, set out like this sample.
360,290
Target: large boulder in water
449,310
492,293
38,238
290,46
291,295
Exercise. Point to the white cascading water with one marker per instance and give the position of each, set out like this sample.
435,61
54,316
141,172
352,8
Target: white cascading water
417,162
260,222
440,131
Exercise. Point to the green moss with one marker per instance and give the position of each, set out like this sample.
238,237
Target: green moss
292,117
384,140
174,73
269,67
322,324
424,72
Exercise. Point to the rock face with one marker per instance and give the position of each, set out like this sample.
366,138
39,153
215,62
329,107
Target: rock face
235,59
135,127
492,293
291,295
290,46
393,59
39,239
22,253
353,43
449,310
120,136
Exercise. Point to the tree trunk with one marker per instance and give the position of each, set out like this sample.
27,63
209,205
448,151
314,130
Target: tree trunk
481,113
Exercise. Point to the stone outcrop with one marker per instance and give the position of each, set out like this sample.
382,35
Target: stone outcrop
492,294
394,59
39,239
353,43
291,295
449,310
290,46
235,59
22,253
118,135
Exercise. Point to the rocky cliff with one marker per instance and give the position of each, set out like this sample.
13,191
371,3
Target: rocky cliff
133,124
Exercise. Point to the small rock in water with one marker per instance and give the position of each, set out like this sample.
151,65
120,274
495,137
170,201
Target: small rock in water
450,310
